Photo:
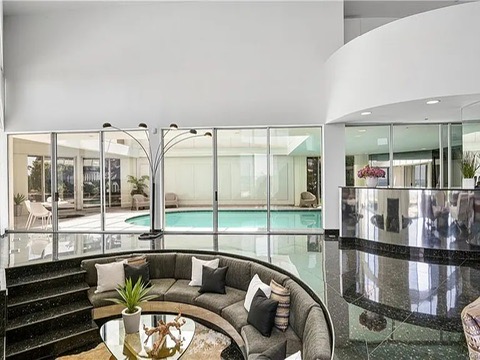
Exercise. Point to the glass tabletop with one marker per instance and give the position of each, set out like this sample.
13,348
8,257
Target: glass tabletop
132,346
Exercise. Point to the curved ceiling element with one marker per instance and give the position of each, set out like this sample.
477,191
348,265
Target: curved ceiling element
393,70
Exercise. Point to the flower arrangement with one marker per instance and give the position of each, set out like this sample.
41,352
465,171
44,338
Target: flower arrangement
369,171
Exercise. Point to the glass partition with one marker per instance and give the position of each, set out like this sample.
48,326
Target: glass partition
366,145
295,178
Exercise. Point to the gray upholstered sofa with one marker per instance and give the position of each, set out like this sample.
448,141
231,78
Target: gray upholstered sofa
310,329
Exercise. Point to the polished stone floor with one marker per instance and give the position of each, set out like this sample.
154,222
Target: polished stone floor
382,307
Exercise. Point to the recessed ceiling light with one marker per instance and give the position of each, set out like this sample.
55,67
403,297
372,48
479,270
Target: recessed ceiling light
366,113
433,102
362,130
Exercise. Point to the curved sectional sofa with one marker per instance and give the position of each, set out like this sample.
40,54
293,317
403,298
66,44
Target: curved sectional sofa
310,329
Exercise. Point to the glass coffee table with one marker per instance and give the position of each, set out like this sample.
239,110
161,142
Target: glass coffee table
131,346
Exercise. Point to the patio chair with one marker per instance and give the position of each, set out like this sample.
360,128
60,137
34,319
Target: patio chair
171,200
141,201
37,210
307,199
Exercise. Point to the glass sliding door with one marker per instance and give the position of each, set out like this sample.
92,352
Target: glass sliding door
30,181
188,180
416,156
295,178
242,179
127,181
74,180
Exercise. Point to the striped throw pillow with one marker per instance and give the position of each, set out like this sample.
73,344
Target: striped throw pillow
282,295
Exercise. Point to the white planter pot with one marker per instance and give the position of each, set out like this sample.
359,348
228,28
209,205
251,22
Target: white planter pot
468,183
131,322
371,181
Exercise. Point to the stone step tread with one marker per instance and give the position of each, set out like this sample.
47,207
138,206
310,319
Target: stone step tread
44,276
53,313
48,338
47,293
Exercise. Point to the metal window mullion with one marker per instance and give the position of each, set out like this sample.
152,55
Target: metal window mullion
449,155
102,187
54,190
268,181
215,189
390,142
440,144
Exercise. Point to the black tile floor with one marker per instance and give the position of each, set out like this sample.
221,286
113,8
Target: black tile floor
390,308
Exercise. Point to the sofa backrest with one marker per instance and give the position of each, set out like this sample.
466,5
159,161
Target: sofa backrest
162,266
183,264
300,305
316,337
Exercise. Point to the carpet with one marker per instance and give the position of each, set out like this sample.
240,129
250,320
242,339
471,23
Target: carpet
206,344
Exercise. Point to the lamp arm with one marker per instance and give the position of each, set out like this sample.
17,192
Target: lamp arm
158,153
139,143
166,148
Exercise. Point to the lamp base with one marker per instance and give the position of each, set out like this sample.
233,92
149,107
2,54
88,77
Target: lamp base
152,235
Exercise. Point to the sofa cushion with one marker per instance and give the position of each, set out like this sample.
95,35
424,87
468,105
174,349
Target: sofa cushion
181,292
236,315
266,274
162,266
110,276
160,287
197,270
91,271
255,343
99,300
262,313
218,302
136,272
254,285
316,341
300,304
282,295
277,352
213,280
239,274
183,265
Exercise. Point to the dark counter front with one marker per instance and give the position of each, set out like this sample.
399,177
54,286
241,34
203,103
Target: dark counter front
443,222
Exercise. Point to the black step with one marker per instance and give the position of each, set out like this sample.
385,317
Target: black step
44,276
40,305
54,342
46,294
49,314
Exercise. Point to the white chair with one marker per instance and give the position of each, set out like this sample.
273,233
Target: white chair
140,201
37,210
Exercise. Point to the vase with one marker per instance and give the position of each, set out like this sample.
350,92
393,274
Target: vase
131,322
468,183
372,181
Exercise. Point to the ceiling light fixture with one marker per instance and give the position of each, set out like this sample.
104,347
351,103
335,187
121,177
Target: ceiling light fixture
366,113
432,102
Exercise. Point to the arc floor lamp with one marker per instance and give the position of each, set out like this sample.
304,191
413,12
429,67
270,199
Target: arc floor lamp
155,158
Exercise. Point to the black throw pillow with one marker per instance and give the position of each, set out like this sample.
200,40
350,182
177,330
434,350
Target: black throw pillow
213,280
135,271
262,313
277,352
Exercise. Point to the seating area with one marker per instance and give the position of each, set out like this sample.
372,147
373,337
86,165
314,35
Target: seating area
309,327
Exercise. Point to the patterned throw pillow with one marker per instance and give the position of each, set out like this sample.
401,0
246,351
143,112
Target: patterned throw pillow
282,295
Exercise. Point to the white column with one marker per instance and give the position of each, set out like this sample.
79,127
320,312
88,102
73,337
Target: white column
4,207
333,174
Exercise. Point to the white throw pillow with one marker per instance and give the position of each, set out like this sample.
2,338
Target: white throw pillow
254,285
197,269
109,276
296,356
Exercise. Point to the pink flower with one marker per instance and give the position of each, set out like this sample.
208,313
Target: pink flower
368,171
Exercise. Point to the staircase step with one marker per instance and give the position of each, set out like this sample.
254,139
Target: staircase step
43,276
46,294
54,342
49,314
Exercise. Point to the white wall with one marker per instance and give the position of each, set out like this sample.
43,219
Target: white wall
355,27
195,63
433,54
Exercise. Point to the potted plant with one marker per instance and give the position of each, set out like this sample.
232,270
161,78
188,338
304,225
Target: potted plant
371,174
139,184
131,297
469,167
18,199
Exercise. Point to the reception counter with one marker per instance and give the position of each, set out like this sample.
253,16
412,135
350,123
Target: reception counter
430,222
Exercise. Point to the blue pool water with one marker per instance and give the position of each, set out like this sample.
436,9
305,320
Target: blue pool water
280,219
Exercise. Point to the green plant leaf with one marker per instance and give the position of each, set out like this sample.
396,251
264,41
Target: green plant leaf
132,295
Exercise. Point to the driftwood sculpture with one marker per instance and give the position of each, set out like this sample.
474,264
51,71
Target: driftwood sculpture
163,329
